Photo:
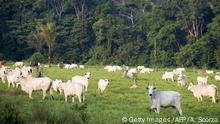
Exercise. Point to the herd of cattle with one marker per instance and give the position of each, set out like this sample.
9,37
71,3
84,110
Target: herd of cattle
21,75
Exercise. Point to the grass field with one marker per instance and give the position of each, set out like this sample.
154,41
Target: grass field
117,101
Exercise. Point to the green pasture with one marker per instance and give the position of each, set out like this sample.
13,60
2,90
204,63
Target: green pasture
117,101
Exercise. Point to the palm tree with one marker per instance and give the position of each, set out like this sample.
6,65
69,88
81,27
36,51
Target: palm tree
47,32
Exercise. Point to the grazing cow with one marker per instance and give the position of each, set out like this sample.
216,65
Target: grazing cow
132,70
19,64
164,98
55,85
177,72
139,68
181,69
182,80
168,76
81,66
202,80
118,67
200,71
30,84
217,77
73,89
112,69
102,84
203,90
72,66
148,70
82,79
66,66
209,71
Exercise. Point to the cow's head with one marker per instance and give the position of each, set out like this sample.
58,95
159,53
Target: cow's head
190,86
151,89
88,75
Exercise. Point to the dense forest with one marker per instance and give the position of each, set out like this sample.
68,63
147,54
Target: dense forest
160,33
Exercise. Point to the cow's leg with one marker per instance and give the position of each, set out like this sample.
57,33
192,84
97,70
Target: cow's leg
79,98
30,94
213,99
200,98
60,91
158,108
17,85
179,109
73,99
44,94
13,84
3,80
65,97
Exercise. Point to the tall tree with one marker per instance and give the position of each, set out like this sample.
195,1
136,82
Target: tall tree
47,32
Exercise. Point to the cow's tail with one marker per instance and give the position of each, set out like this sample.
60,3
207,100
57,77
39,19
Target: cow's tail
50,89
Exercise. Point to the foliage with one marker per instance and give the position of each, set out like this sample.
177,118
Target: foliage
149,32
37,57
10,113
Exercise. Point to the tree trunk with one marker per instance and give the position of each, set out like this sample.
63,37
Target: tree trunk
49,55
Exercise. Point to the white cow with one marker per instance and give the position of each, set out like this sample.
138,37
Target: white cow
168,76
203,90
82,79
66,66
73,89
12,77
132,70
148,70
102,84
139,68
217,77
202,80
118,67
55,85
177,72
164,98
209,71
181,69
19,64
30,84
81,66
3,73
26,71
72,66
112,69
182,80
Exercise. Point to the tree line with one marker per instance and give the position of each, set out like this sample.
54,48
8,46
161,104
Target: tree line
159,33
